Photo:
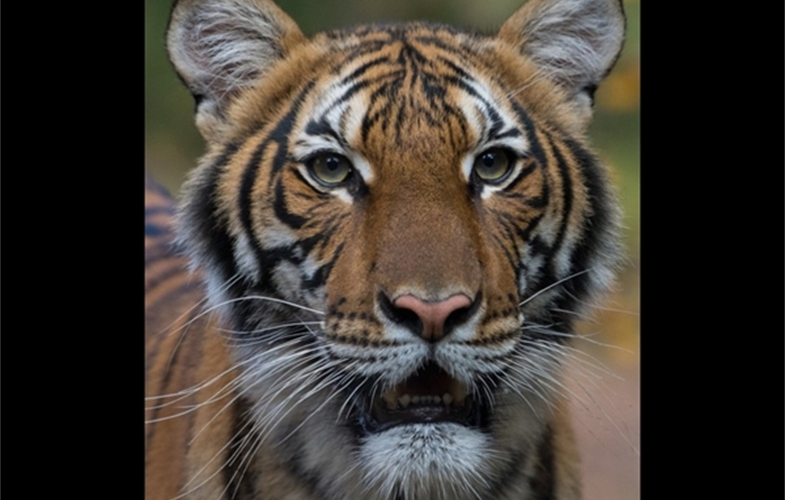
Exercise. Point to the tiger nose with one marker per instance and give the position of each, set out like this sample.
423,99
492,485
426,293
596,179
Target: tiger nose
433,315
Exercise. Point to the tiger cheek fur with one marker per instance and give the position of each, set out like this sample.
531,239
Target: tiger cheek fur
397,224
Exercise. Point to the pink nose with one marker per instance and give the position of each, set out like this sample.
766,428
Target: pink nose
432,314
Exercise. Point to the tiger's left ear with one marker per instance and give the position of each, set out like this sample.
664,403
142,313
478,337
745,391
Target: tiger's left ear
574,42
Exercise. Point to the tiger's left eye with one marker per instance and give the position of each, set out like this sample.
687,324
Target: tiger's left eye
494,164
330,169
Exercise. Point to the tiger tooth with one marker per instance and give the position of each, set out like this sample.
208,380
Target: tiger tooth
447,399
458,392
390,400
405,400
416,400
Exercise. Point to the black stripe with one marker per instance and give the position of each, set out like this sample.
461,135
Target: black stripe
155,187
542,483
460,72
175,359
304,478
513,132
152,353
319,278
363,68
496,121
171,271
358,86
508,226
536,148
202,214
538,202
525,232
155,230
163,250
539,278
598,219
509,477
564,172
324,236
321,128
150,211
280,134
282,212
240,476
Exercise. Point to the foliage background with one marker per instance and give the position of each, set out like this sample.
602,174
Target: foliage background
606,414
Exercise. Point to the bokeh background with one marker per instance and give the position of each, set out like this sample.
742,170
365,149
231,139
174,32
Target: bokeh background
604,378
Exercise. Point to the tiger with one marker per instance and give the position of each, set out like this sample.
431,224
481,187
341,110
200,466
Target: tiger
369,283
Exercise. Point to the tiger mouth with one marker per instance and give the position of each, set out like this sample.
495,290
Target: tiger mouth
429,396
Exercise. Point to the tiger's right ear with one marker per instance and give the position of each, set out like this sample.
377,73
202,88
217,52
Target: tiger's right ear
220,47
574,42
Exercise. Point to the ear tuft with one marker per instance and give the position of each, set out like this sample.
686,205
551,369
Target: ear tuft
576,42
220,47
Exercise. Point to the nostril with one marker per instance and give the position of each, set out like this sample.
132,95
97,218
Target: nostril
431,320
404,317
458,317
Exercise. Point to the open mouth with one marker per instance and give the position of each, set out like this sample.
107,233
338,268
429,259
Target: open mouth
429,396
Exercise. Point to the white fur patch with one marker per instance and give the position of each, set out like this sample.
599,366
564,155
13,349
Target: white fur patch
245,256
426,461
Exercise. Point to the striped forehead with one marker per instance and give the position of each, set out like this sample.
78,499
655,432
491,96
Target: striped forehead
406,74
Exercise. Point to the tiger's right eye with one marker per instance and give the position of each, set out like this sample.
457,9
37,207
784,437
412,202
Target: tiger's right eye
330,169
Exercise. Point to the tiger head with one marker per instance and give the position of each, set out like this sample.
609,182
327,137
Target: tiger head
399,223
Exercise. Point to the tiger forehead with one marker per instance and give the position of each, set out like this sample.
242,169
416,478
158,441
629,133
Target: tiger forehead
417,86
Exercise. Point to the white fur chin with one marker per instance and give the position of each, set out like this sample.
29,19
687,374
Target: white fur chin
434,461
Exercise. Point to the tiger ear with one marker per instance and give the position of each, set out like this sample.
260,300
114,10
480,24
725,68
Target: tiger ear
220,47
575,42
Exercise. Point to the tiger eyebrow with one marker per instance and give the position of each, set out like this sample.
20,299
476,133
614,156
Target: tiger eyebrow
322,127
513,132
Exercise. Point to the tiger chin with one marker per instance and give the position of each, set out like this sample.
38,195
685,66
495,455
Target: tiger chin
378,261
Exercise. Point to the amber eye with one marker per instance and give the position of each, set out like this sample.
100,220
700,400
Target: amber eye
494,164
330,169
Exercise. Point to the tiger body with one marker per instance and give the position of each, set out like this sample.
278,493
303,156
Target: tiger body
395,226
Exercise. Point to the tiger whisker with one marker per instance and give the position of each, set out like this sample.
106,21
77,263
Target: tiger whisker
240,381
252,422
601,307
261,433
552,285
192,390
262,330
198,304
231,281
592,361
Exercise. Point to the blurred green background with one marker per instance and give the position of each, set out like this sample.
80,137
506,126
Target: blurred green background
172,146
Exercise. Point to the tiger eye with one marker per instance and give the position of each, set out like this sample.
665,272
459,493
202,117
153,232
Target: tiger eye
330,169
493,165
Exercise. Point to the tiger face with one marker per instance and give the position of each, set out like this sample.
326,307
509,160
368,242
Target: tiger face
398,223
